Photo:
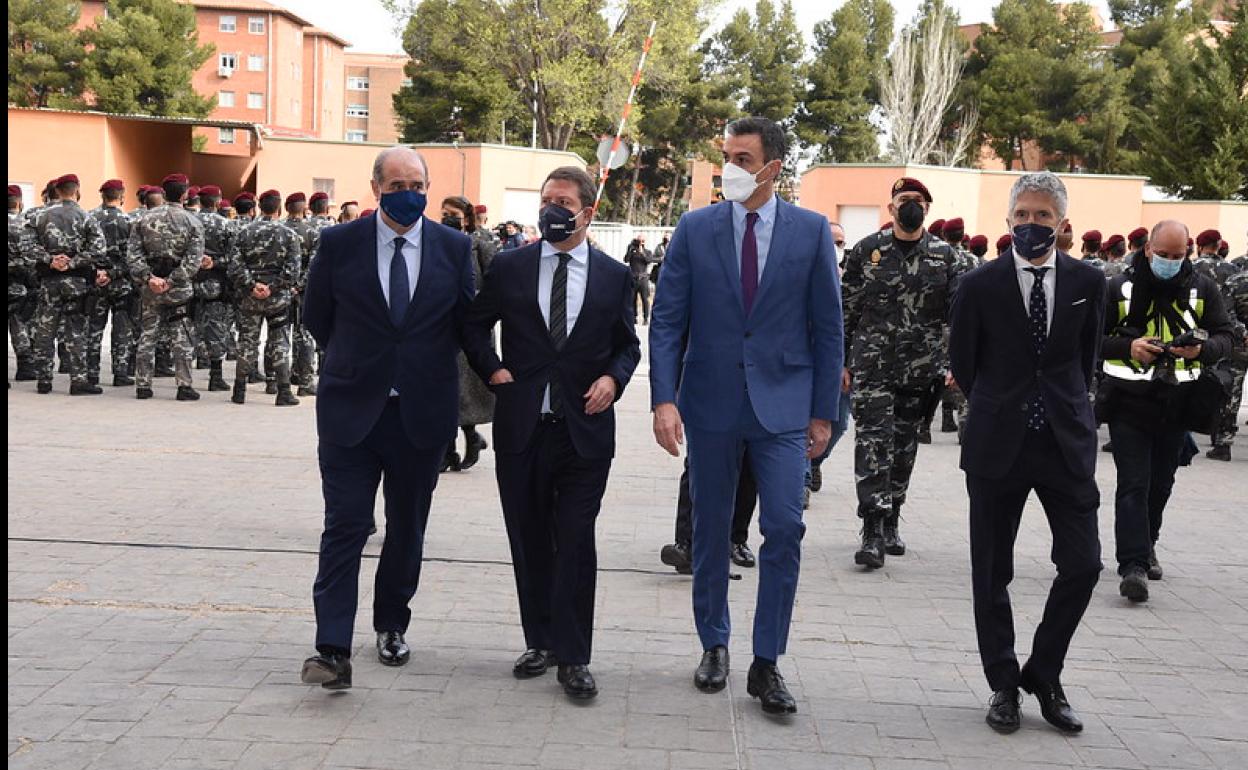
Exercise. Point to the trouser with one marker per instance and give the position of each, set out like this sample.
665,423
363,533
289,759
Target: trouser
61,312
304,351
212,326
642,290
276,347
778,463
742,509
19,335
123,336
1147,460
886,428
1228,422
551,497
349,480
996,508
164,319
838,429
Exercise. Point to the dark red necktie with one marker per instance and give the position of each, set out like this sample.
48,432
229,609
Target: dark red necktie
749,262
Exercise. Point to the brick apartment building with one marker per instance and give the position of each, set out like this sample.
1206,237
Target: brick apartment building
372,79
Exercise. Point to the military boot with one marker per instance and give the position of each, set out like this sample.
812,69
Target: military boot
215,380
893,544
84,389
143,393
947,422
240,390
308,388
925,434
187,393
202,362
25,369
121,380
270,386
43,386
871,554
1220,452
255,377
282,384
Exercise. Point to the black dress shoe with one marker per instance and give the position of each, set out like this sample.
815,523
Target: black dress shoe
474,442
333,672
1003,710
816,478
1154,567
533,663
577,682
1134,585
742,556
712,673
1054,707
765,683
677,555
391,649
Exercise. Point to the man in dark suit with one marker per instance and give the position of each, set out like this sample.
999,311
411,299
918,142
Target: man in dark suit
386,299
569,350
1024,339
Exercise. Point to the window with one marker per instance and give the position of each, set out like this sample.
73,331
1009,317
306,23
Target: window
357,83
255,101
225,98
255,25
357,136
255,62
227,61
225,135
357,110
323,185
226,23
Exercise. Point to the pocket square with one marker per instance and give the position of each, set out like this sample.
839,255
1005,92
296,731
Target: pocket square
1079,302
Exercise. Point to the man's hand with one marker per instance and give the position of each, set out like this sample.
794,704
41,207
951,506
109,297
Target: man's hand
260,291
1189,352
1145,350
205,263
817,437
668,429
60,262
600,395
950,383
501,377
157,285
101,278
847,380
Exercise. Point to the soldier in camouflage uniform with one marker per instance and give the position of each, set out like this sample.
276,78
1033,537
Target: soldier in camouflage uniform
118,296
1212,264
952,401
303,347
898,285
306,363
1091,250
191,203
1237,302
245,207
165,250
264,268
213,308
66,245
21,274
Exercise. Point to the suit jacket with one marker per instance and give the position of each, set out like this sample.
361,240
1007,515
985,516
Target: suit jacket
995,364
788,352
366,354
602,342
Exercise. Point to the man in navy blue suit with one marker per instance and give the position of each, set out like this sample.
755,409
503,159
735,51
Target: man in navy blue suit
386,300
752,282
569,350
1024,339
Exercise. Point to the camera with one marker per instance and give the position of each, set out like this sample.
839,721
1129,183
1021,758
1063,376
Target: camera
1186,340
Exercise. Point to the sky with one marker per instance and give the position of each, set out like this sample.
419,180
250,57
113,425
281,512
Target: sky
370,28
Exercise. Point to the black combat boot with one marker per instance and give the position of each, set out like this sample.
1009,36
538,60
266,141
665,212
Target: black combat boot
25,369
308,388
215,380
255,377
187,393
84,389
142,393
240,390
122,380
925,434
1220,452
43,386
948,424
270,386
202,362
282,386
93,379
893,544
871,554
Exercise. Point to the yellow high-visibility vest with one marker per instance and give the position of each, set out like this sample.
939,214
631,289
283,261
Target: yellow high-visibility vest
1158,328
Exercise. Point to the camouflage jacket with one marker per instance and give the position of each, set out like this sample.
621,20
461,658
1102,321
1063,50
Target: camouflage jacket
1116,267
1218,269
1240,263
1096,262
64,228
166,242
219,235
266,251
967,261
20,263
896,309
115,225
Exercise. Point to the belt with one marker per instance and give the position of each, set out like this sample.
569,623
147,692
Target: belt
550,418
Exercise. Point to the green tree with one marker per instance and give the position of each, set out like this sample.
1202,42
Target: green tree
45,53
144,54
850,48
762,54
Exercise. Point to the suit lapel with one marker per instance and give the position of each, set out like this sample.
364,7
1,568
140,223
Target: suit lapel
424,271
592,290
369,268
1063,296
777,249
1013,296
531,280
727,250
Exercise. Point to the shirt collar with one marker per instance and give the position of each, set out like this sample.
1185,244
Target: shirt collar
386,236
580,254
1021,264
766,212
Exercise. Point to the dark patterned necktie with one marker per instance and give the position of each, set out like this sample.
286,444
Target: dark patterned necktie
749,262
400,292
1038,305
558,325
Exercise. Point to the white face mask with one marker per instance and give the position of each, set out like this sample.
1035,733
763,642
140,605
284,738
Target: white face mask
737,184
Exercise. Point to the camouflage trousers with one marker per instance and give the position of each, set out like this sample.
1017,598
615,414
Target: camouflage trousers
212,325
886,428
61,301
124,336
277,342
1228,423
304,365
18,334
165,317
953,407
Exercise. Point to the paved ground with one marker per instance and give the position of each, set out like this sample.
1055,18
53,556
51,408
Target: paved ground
160,564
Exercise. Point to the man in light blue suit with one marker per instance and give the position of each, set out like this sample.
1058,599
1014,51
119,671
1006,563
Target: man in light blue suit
752,284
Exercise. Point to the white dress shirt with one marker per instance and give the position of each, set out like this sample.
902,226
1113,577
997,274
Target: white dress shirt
578,277
385,254
763,229
1026,279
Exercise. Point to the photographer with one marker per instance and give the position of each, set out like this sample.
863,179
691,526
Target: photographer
1165,325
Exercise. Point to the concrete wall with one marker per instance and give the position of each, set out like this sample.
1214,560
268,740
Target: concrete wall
1228,218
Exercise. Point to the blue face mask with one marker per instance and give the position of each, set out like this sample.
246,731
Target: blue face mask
557,224
1032,241
404,206
1165,269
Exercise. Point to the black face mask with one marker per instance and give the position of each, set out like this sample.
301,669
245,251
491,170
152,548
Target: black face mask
910,216
453,222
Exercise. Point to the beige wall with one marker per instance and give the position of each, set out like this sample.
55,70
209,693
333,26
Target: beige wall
1228,218
285,67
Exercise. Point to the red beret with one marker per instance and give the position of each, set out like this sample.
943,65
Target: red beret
210,190
979,240
224,205
176,179
67,179
955,225
480,209
1137,234
349,203
1004,242
1092,236
51,183
318,196
1190,243
270,194
1207,237
15,191
368,212
295,197
193,191
112,184
910,184
937,227
1113,241
244,196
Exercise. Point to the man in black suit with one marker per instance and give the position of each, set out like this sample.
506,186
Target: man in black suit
569,349
1024,338
386,299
